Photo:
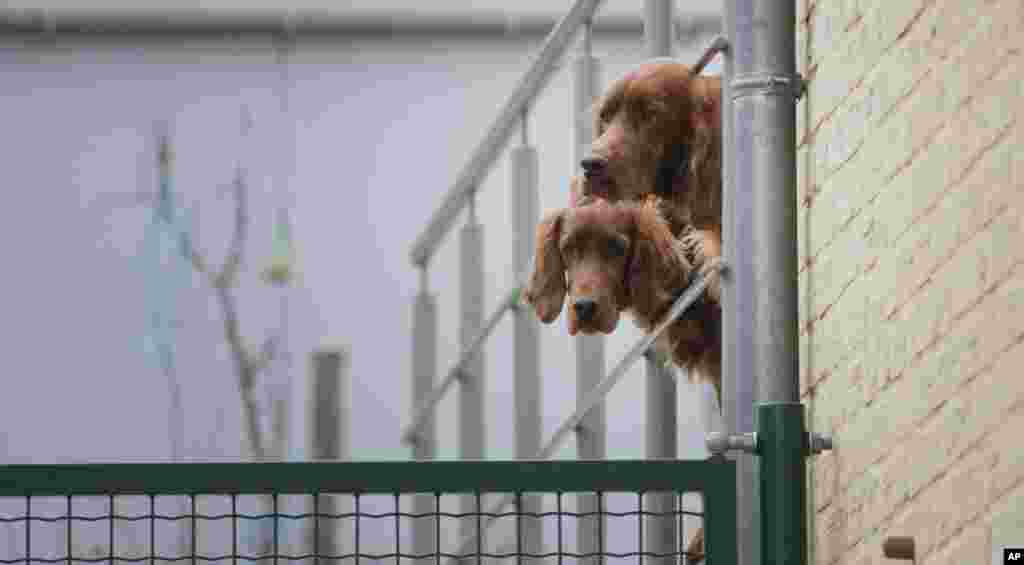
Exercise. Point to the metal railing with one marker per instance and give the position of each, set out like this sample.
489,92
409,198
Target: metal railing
363,498
587,421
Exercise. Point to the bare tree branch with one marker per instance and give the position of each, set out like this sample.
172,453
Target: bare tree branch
267,353
229,272
189,250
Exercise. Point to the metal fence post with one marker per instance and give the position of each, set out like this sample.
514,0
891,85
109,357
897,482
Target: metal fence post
330,433
424,369
660,412
472,382
764,90
525,215
590,437
738,376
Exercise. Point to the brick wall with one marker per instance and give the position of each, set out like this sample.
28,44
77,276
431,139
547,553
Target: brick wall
912,274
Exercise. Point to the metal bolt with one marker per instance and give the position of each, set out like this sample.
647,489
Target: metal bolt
820,442
719,443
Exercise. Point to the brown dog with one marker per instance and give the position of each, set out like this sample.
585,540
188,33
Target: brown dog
658,133
608,258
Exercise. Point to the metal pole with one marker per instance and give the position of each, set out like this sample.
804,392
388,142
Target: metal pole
424,369
525,215
764,89
330,419
660,414
471,378
590,437
738,377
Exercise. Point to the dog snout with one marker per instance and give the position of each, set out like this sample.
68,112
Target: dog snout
593,166
585,309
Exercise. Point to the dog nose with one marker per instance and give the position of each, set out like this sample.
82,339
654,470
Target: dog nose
585,309
593,166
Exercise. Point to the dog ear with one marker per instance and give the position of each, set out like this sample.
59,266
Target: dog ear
657,266
705,122
547,288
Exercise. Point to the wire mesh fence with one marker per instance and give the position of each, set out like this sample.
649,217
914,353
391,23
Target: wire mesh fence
414,513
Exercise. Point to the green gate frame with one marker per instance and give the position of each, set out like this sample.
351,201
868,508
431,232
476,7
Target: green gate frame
715,478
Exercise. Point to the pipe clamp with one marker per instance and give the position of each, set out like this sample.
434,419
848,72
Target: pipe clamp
768,84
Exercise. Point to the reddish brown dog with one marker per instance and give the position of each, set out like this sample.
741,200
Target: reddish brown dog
658,134
609,258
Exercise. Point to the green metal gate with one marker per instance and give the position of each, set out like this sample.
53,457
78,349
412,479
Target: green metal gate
29,494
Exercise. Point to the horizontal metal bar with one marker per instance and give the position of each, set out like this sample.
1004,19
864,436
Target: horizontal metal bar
599,392
361,477
535,79
177,24
532,83
427,408
718,45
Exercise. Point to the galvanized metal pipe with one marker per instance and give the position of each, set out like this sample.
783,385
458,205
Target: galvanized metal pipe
764,89
527,388
739,383
660,409
424,368
590,436
424,411
472,424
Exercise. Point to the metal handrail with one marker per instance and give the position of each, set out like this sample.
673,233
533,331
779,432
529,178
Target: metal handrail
411,434
717,45
490,148
599,392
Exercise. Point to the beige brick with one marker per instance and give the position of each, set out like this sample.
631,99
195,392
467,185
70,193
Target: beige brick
1008,471
944,26
969,546
832,534
831,22
918,455
868,435
1006,523
823,479
954,220
845,63
947,505
840,263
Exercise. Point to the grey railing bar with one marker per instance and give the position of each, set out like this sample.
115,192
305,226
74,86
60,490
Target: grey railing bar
598,393
717,45
509,302
488,150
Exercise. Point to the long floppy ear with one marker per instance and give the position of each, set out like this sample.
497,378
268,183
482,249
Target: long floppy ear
546,289
658,267
705,148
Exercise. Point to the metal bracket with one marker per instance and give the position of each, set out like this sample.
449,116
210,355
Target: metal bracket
818,443
719,443
755,85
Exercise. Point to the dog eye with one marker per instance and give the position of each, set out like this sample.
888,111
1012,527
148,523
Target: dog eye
616,248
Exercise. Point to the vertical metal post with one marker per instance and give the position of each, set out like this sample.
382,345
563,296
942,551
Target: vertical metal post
590,437
525,214
472,380
424,373
764,89
330,419
660,413
738,333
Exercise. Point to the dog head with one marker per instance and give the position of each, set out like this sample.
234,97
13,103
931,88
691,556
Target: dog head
657,130
605,258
